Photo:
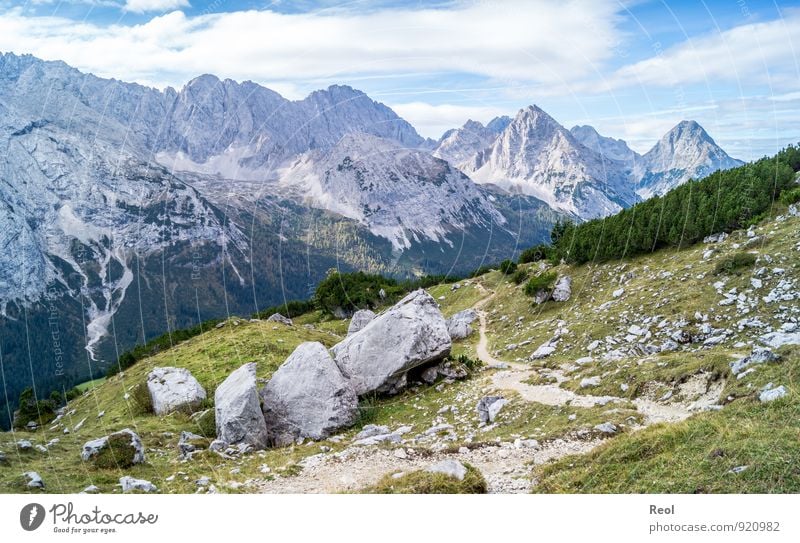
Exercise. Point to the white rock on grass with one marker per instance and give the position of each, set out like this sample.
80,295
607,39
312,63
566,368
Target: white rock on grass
174,389
606,428
277,317
587,382
238,410
778,339
307,397
130,484
411,333
458,326
770,394
563,289
488,407
33,479
360,319
450,467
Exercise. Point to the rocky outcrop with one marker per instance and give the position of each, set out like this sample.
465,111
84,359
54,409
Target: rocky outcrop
238,411
174,389
277,317
360,319
488,408
458,326
411,333
307,397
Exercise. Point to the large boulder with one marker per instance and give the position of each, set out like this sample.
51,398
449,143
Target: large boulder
174,389
360,319
563,289
238,411
458,326
411,333
307,397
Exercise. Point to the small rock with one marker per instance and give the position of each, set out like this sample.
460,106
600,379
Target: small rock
277,317
772,394
488,407
606,428
587,382
129,484
450,467
33,479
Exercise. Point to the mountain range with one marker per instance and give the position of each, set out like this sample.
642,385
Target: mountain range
129,211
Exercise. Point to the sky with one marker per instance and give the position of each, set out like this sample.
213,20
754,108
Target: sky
630,68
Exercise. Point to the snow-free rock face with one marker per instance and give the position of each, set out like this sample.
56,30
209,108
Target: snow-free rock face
409,334
460,144
307,397
390,189
174,389
238,410
458,326
685,152
360,319
537,156
615,149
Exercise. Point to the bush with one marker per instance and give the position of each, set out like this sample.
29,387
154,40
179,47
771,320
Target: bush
507,267
349,292
543,281
535,254
39,411
141,398
471,364
520,276
119,453
735,263
424,482
789,197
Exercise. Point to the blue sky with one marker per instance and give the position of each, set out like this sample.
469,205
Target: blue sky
632,69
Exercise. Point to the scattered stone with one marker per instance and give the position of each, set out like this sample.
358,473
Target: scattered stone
174,389
33,479
307,397
488,407
360,319
93,448
458,326
778,339
587,382
24,445
738,469
189,443
429,375
770,394
606,428
91,489
129,484
411,333
563,289
617,293
401,454
277,317
237,409
450,467
544,350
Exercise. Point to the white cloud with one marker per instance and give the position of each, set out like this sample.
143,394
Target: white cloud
143,6
757,53
542,41
433,120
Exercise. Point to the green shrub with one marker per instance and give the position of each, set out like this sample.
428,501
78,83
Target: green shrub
735,263
424,482
471,364
520,276
535,254
507,267
789,197
543,281
39,411
140,395
352,291
205,423
118,453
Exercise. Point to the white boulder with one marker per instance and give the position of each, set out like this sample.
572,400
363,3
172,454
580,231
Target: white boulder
360,319
174,389
238,410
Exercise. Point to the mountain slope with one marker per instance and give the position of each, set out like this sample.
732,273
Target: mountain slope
615,149
460,144
537,156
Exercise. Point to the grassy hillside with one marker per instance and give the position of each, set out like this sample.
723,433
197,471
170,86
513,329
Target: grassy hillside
676,286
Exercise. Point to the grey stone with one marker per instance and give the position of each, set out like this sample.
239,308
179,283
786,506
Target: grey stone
24,445
360,319
488,407
758,356
450,467
91,489
307,397
277,317
778,339
238,410
606,428
590,382
187,444
371,430
129,484
174,389
771,394
458,326
34,480
411,333
429,375
563,289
